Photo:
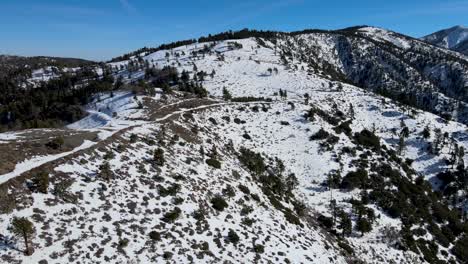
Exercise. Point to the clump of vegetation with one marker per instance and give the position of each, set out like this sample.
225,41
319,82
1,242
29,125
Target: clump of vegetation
233,237
8,203
253,161
155,236
105,172
123,243
158,157
226,94
172,190
56,143
259,249
368,139
325,221
109,155
229,191
41,182
214,163
219,203
354,179
363,225
244,189
172,215
133,138
344,127
321,134
250,99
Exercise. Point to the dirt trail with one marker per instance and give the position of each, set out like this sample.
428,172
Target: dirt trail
161,114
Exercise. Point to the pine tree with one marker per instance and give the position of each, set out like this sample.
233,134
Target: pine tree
307,97
401,145
24,228
426,133
41,182
363,225
461,155
226,94
351,111
159,157
345,224
105,171
405,132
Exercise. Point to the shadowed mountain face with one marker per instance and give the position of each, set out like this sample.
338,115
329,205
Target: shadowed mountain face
397,66
454,38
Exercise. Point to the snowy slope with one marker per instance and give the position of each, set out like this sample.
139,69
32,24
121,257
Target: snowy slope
448,38
111,220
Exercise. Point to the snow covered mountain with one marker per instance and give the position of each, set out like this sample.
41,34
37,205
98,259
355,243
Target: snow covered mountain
454,38
312,147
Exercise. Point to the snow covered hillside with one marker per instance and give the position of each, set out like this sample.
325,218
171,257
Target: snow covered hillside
450,38
285,162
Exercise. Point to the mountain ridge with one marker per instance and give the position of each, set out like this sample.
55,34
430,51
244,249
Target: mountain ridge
314,147
454,38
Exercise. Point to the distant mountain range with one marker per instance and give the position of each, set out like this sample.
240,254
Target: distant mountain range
454,38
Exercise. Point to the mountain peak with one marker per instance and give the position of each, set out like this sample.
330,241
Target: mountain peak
449,38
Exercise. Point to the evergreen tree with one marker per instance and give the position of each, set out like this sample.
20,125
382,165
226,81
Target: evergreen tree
307,97
345,224
41,182
426,133
24,228
351,111
105,171
401,145
158,157
363,225
226,94
405,132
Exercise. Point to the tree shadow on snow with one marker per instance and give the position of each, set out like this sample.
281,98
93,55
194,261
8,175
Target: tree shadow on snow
7,243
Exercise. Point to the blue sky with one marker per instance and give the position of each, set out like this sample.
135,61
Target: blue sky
101,29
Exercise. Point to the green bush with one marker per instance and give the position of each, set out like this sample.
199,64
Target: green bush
253,161
56,143
219,203
233,237
123,243
291,218
171,216
248,221
354,180
229,191
159,157
155,235
344,128
367,139
259,249
133,138
167,255
344,245
321,134
325,221
244,189
460,248
363,225
41,182
246,210
214,163
172,190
